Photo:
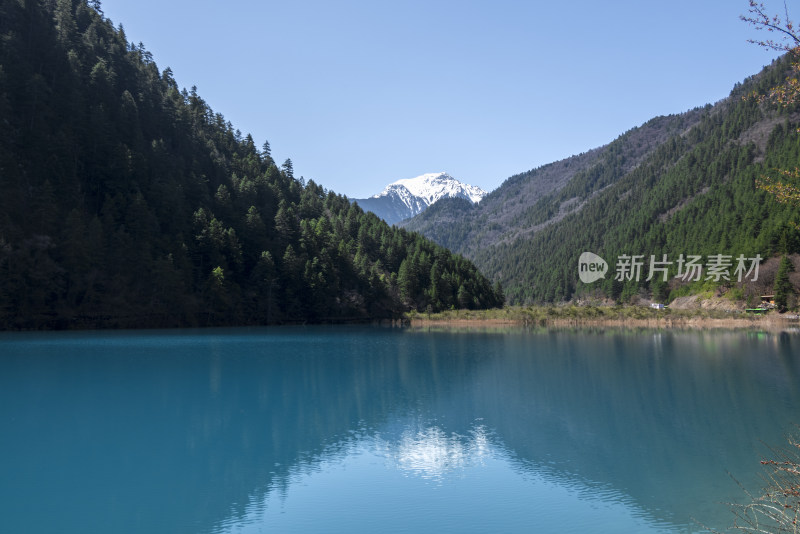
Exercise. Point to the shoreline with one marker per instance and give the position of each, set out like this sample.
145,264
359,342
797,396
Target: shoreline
591,317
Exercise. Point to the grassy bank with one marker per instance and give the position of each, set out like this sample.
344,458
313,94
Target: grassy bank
572,315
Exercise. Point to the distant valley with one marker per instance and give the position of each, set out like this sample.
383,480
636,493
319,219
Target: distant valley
128,202
678,184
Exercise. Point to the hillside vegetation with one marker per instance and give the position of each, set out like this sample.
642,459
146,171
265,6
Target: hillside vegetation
127,201
683,184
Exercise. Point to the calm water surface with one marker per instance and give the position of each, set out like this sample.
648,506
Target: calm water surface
366,429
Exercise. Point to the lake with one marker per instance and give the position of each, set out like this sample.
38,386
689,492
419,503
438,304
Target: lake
366,429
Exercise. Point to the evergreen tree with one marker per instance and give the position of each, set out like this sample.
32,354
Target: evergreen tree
266,153
288,169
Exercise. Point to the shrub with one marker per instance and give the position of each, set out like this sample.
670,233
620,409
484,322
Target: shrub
777,509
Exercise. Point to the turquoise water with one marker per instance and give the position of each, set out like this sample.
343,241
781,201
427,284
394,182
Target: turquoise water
366,429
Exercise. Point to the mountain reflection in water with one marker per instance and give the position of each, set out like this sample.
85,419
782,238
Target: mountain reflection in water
240,430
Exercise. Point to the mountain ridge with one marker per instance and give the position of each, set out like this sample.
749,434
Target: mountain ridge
680,184
408,197
509,211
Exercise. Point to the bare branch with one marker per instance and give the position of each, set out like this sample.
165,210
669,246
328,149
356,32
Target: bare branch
778,508
762,21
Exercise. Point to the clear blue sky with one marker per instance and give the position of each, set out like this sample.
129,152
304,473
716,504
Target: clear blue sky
361,93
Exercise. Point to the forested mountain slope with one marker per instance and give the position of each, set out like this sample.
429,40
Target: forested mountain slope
523,203
676,185
125,201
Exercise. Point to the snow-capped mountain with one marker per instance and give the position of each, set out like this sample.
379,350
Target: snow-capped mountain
405,198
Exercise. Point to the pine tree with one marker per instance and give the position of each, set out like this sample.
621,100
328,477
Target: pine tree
266,153
288,169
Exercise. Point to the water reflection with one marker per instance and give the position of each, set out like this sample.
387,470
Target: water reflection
213,431
432,454
428,480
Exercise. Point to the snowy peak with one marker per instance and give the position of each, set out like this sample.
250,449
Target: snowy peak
405,198
432,186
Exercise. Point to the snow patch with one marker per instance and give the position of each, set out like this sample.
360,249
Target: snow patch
420,192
